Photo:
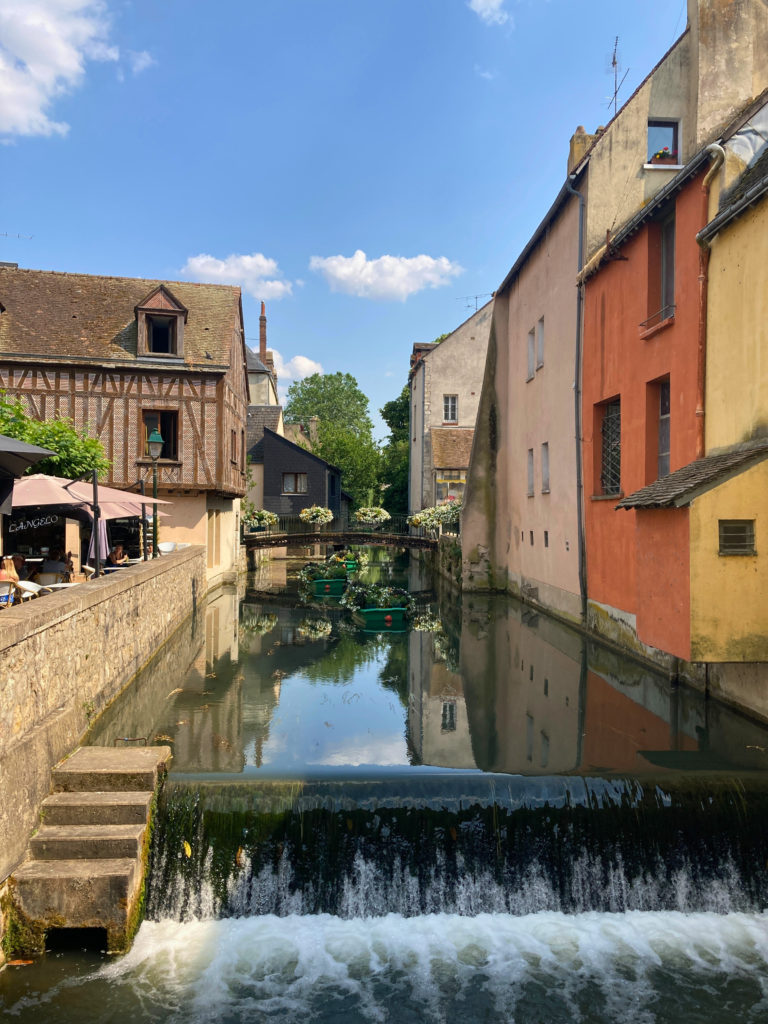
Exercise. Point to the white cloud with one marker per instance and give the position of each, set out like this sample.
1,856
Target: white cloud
140,60
256,274
487,75
388,277
44,45
296,368
491,11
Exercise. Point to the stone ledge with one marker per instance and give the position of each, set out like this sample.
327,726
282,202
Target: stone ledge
24,620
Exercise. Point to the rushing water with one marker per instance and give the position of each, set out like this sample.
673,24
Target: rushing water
482,819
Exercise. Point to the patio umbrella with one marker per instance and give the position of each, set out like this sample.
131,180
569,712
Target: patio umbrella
39,489
15,458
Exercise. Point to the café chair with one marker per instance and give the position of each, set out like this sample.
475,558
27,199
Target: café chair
7,587
166,547
47,579
28,589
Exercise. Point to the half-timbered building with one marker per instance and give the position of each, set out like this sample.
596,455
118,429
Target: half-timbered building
123,356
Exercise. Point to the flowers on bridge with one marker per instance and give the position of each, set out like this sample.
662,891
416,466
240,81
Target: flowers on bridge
316,514
372,515
259,517
431,519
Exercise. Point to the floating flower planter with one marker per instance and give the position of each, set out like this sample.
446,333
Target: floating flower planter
328,588
381,620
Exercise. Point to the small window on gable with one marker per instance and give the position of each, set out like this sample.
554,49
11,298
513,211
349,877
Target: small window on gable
161,335
663,142
450,408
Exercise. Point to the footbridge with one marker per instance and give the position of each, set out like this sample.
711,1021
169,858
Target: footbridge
279,539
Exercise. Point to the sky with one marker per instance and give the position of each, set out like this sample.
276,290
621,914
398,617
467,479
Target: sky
368,168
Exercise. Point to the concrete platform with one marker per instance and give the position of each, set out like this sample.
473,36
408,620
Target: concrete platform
121,808
96,769
87,842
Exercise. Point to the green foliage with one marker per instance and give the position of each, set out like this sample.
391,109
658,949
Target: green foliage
356,455
334,398
76,453
345,433
395,454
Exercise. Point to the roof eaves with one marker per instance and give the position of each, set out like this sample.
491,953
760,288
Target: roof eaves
733,210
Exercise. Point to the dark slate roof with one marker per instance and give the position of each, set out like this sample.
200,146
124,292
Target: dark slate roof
253,362
681,487
298,447
451,447
70,316
259,417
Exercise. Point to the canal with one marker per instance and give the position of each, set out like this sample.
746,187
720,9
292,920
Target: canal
484,818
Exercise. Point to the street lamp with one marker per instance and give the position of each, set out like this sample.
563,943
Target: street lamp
155,445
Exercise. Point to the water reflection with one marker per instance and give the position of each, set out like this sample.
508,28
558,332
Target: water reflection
271,685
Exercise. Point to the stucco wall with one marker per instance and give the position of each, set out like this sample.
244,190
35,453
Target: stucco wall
63,658
729,593
737,332
663,574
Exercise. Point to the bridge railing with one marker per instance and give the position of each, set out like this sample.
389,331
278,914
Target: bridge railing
295,526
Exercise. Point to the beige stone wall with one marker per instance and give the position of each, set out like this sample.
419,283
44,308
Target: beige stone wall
63,658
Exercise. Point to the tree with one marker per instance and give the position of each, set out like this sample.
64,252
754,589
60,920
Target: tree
345,432
395,454
333,398
76,453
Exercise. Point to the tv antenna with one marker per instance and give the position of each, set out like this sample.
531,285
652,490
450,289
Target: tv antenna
10,234
468,300
616,68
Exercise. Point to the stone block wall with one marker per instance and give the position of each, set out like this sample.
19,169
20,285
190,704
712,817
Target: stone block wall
63,658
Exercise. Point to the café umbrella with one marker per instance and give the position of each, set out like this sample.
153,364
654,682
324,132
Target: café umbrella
15,458
42,490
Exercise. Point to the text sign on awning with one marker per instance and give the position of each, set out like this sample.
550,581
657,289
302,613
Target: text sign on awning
32,524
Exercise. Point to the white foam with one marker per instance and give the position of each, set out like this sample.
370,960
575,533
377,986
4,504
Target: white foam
620,965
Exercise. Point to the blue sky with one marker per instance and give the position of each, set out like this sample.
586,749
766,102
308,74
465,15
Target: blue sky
272,143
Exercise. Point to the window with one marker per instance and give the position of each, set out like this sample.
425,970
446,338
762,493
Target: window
661,272
663,141
545,468
167,424
233,446
161,335
530,472
610,456
449,483
546,538
540,344
668,268
448,716
664,434
531,354
451,408
294,483
242,451
737,536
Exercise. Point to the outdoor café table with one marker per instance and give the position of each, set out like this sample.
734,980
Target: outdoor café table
59,586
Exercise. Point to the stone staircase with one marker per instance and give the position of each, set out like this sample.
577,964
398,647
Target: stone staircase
86,863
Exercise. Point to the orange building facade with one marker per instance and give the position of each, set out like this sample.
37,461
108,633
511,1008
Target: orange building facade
640,392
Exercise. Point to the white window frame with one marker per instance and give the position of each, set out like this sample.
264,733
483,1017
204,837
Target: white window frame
450,403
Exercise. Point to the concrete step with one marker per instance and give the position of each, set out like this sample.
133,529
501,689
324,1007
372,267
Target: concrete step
68,842
116,808
77,893
101,769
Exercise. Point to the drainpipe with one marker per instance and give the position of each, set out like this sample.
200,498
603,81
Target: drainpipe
577,410
718,153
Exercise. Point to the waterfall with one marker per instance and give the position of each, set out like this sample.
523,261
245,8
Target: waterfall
460,843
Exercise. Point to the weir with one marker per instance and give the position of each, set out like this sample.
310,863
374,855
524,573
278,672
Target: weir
459,844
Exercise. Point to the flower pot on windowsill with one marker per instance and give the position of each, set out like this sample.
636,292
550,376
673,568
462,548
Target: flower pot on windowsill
669,160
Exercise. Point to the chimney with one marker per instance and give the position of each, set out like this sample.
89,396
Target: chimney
263,335
581,140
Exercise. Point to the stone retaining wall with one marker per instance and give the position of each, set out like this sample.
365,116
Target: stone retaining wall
63,658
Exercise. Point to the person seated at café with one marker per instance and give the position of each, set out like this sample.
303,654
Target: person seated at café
117,555
8,573
57,561
20,564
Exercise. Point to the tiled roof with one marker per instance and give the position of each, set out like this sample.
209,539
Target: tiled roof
253,362
451,447
83,315
682,486
259,417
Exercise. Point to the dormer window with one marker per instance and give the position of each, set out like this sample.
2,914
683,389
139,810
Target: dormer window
160,320
161,335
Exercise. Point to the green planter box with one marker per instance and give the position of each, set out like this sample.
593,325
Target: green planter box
322,588
352,565
381,619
